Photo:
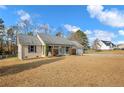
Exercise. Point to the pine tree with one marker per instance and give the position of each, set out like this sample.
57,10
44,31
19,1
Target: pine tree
80,37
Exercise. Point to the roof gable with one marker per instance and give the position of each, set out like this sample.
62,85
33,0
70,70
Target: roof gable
28,40
76,44
108,43
54,40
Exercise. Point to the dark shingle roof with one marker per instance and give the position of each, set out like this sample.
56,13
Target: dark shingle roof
54,40
107,43
28,40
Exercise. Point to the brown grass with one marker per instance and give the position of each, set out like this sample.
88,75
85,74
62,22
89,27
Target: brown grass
63,71
108,52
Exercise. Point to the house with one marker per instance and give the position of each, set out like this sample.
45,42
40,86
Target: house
103,45
43,45
120,46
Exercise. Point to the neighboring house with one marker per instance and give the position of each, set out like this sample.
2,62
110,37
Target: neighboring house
120,46
42,45
103,45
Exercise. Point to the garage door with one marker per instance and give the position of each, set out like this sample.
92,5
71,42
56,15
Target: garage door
73,51
79,51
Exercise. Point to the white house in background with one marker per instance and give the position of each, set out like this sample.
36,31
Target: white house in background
43,45
120,46
103,45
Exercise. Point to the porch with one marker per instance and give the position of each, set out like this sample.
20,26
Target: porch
59,50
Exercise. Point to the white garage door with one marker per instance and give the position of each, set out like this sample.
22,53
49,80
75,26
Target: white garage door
79,51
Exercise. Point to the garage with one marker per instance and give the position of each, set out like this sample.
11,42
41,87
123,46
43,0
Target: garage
72,51
77,48
79,51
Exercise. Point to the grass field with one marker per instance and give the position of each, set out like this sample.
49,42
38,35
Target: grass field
105,52
84,70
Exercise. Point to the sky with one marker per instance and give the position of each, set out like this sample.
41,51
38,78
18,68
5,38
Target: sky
102,22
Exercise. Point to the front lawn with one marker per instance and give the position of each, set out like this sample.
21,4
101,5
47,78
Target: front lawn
84,70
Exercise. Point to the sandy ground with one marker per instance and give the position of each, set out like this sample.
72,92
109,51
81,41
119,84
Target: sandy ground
87,70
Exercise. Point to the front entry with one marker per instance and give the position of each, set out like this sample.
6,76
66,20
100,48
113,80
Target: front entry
54,52
62,50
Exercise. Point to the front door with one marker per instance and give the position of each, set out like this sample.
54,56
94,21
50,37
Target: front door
54,52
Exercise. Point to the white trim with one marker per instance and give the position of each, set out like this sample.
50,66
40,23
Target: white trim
20,56
43,50
43,43
43,46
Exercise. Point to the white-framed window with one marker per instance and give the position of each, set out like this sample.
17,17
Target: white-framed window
31,48
62,50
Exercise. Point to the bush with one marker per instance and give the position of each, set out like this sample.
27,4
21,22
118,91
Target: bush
98,50
47,49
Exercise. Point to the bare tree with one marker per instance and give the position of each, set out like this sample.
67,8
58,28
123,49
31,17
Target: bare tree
1,34
45,28
25,26
10,34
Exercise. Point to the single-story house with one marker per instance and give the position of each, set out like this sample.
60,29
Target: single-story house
43,45
103,45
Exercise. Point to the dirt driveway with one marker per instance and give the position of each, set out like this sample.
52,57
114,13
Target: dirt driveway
87,70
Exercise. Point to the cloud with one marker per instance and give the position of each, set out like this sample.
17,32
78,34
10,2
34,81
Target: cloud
25,18
24,15
3,7
104,35
112,17
88,32
120,42
100,34
94,10
71,28
121,32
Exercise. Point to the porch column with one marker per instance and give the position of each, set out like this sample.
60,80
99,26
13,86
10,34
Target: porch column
65,50
52,49
59,50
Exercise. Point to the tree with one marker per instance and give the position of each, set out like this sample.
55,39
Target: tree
1,34
30,33
45,28
96,44
81,37
10,34
16,32
24,26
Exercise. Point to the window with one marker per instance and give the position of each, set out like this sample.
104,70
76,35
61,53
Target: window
62,50
67,50
31,48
